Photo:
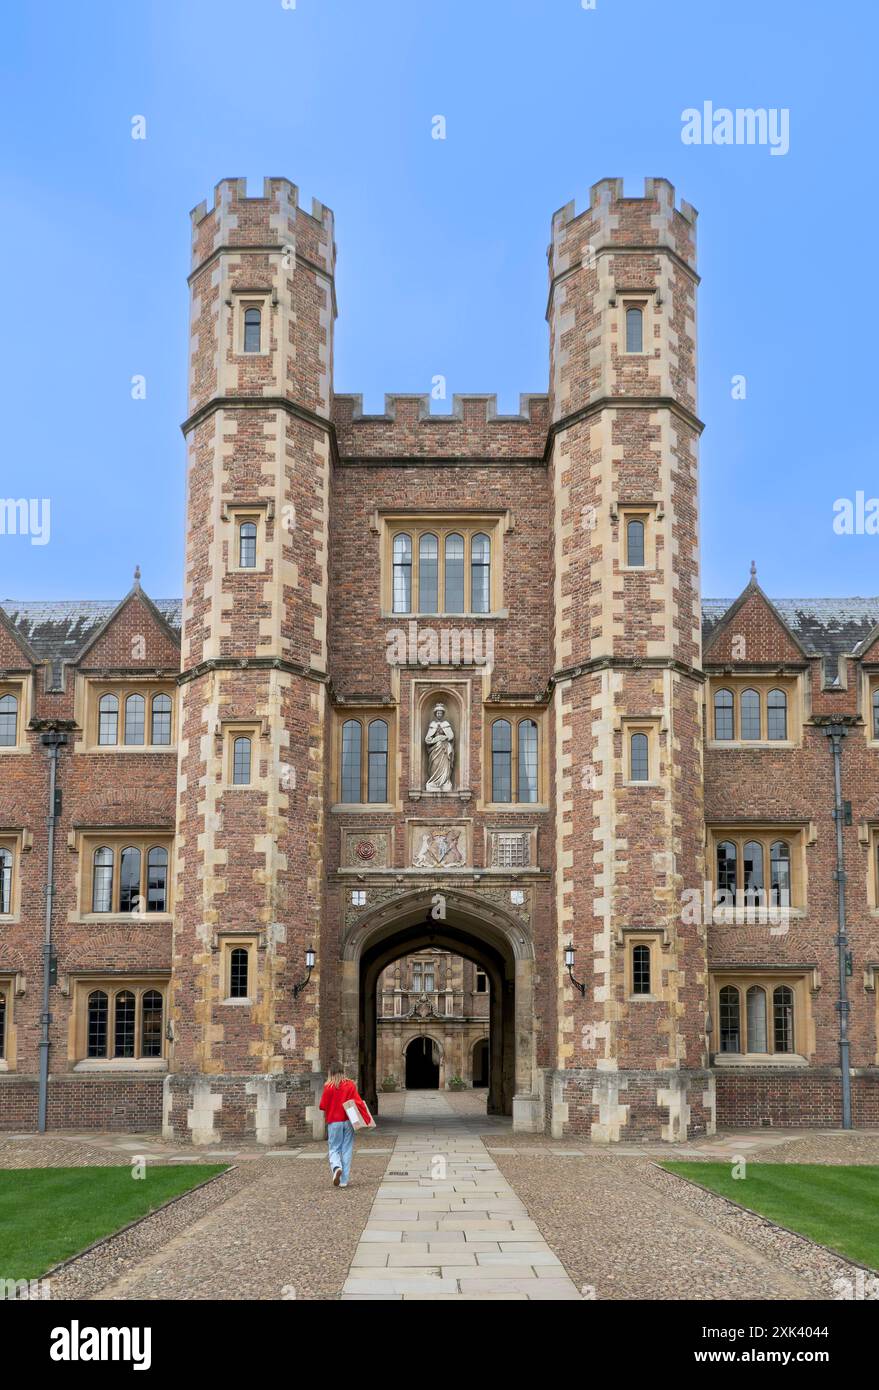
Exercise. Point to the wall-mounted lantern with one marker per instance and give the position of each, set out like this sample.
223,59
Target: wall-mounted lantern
309,966
569,962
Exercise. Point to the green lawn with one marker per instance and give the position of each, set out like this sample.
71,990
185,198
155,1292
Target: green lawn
834,1205
48,1214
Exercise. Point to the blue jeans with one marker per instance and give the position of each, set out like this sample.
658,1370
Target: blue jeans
340,1139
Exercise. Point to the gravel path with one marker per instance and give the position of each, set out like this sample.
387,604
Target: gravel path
285,1233
631,1231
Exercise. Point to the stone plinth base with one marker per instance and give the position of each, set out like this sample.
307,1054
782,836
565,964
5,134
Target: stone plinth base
632,1106
268,1109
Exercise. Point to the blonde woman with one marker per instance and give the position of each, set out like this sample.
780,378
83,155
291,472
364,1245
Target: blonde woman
338,1092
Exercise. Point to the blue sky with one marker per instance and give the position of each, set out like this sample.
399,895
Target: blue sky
441,243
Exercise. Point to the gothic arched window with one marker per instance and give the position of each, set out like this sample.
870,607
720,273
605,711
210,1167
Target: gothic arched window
428,573
377,761
723,715
252,330
634,329
749,715
480,574
135,719
108,719
247,545
454,595
776,714
8,721
351,744
501,760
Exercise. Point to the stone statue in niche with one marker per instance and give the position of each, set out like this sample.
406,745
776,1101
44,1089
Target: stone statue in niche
440,744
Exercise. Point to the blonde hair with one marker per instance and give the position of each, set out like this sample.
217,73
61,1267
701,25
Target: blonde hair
337,1074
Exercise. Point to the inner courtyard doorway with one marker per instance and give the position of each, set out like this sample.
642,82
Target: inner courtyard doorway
422,1065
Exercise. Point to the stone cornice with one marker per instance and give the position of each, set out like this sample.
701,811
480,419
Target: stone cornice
626,663
236,402
252,663
621,403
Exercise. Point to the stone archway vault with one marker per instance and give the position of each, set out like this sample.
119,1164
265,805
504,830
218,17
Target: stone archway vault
478,931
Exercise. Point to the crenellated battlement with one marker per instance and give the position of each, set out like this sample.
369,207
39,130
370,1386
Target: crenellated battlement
614,219
273,219
473,428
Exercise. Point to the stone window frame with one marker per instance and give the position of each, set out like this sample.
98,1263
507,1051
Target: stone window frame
260,512
242,300
21,687
494,524
82,986
797,836
744,978
15,842
93,690
365,715
232,729
763,684
650,512
232,941
872,840
9,988
636,299
653,940
870,688
514,714
641,724
88,841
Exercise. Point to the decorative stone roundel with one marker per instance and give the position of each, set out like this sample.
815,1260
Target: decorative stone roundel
365,849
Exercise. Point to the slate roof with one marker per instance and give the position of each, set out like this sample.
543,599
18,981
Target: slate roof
824,626
58,631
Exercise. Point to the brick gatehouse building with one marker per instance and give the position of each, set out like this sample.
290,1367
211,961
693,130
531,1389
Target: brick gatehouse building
440,682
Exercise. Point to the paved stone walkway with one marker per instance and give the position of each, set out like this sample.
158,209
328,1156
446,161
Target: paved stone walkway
446,1224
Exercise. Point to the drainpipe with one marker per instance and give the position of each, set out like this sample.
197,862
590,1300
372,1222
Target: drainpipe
836,733
54,741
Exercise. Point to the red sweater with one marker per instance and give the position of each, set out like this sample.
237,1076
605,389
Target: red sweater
333,1100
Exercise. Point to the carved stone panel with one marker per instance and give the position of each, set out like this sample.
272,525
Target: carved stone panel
366,849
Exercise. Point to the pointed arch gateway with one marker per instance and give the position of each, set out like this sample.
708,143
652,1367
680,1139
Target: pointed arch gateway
477,929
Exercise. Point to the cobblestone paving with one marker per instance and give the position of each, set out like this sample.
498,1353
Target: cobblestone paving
445,1224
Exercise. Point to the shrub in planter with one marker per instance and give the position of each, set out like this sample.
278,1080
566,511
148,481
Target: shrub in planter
389,1083
457,1083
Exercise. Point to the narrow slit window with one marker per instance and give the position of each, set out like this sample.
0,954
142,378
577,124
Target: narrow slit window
876,713
8,721
402,574
241,759
351,744
238,973
635,543
634,329
247,545
377,752
641,970
2,1024
108,720
639,759
252,330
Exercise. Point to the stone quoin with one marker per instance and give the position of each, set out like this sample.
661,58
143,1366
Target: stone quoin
245,774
